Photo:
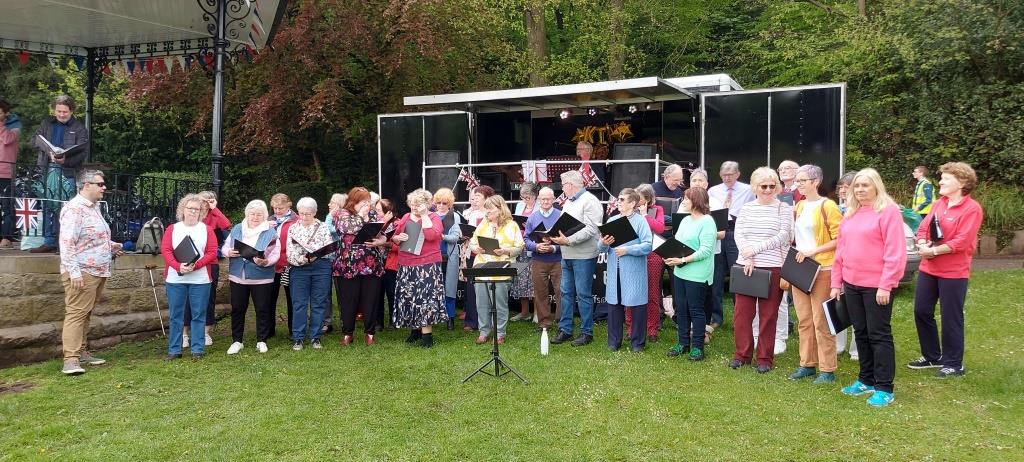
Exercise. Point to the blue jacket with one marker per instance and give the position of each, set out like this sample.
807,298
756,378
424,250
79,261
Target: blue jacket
629,267
245,269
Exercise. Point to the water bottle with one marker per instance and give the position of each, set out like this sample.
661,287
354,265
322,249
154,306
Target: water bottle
544,344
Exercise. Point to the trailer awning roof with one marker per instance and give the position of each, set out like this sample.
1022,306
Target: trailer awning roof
133,28
629,91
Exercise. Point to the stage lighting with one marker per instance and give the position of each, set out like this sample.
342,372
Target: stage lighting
563,114
592,112
632,108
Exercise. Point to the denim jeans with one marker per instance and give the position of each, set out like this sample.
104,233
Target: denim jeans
195,297
310,285
577,283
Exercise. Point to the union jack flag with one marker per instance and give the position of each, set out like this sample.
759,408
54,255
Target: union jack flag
470,179
560,200
29,213
612,203
589,178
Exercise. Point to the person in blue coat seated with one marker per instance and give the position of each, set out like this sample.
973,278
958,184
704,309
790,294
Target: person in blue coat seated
623,291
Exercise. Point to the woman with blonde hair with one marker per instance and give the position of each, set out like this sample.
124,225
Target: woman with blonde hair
497,224
419,286
870,258
214,218
764,231
444,202
814,231
280,221
188,283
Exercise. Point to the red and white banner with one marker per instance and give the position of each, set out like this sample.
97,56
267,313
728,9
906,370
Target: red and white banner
468,177
535,171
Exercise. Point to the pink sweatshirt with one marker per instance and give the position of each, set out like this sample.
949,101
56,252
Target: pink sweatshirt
871,250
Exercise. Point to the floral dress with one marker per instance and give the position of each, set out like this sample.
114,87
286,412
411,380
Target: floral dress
355,258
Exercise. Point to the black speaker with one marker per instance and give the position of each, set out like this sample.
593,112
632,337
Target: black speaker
631,175
438,178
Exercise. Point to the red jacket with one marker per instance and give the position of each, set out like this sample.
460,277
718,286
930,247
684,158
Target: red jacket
282,260
431,252
959,224
216,220
8,150
209,252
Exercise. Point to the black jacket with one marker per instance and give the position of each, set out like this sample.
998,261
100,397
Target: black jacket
74,134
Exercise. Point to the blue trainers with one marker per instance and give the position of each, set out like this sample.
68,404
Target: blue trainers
880,399
825,377
857,388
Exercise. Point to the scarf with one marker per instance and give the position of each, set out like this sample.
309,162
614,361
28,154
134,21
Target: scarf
251,235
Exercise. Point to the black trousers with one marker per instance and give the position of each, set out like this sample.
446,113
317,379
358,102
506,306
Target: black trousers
950,294
358,294
211,315
388,283
616,321
261,300
7,208
276,291
872,325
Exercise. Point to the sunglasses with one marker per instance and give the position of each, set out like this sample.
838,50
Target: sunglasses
101,184
767,187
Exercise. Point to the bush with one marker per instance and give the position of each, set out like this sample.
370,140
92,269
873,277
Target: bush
168,187
318,190
1004,208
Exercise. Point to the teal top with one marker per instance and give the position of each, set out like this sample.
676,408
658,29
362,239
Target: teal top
699,235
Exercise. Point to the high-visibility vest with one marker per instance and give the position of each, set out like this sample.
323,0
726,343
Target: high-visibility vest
920,198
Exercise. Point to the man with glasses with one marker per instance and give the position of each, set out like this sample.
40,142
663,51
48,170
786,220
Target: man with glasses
732,194
579,260
787,174
86,253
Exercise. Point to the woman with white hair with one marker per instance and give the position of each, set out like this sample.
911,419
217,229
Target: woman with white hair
252,278
764,231
188,283
419,286
870,258
310,275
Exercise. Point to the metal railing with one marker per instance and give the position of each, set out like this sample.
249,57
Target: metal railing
35,194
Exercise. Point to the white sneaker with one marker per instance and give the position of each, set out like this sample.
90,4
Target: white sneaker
184,341
780,347
209,340
235,348
261,347
854,357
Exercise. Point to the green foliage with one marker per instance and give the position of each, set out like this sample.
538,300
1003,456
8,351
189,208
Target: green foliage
318,190
169,187
1003,206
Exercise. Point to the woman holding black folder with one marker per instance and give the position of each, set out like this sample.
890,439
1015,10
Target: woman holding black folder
693,274
498,225
419,287
623,292
252,277
188,283
310,274
814,231
359,268
946,254
764,231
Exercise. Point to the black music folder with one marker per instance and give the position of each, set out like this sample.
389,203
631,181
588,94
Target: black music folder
721,217
621,229
668,204
836,315
671,248
934,230
520,220
786,197
800,275
414,244
246,251
326,250
677,218
566,224
758,284
369,231
538,233
489,244
186,252
467,229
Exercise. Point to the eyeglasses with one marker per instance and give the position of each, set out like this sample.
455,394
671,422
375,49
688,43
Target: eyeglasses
102,184
767,187
805,180
193,209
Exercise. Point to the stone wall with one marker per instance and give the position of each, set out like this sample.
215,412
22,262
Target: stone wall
32,305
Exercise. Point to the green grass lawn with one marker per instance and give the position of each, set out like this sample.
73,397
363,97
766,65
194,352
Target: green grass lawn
396,402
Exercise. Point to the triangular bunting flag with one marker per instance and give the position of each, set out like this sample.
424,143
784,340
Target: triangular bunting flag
23,57
80,62
169,64
130,65
149,65
186,62
54,60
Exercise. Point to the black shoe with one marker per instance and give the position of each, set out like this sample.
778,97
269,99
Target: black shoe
172,357
736,364
197,356
921,363
414,336
427,340
583,339
763,368
562,337
949,372
451,324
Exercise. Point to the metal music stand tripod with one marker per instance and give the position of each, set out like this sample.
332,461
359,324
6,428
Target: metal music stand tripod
493,269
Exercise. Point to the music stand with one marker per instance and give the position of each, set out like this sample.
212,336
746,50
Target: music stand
486,270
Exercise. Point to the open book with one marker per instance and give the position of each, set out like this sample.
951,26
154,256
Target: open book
60,153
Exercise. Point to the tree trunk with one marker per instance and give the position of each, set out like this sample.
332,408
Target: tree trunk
537,42
862,8
617,41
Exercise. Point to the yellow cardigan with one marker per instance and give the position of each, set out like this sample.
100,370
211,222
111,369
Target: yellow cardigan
822,233
509,238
